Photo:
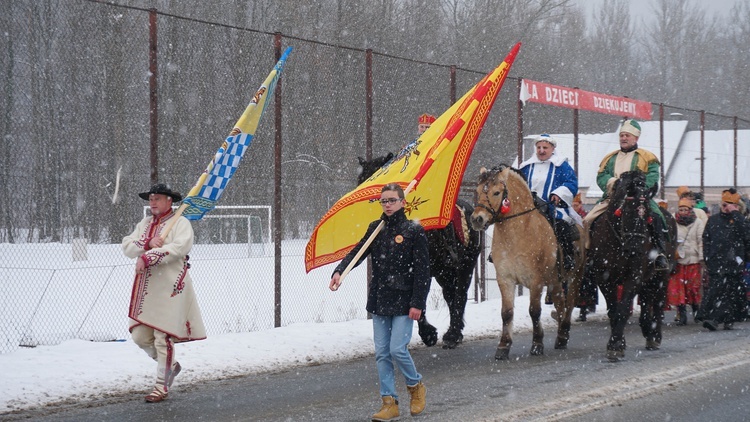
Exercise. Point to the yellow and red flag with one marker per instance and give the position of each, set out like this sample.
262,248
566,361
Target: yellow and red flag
436,161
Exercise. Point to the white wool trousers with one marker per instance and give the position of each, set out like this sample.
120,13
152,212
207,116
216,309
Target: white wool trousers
158,346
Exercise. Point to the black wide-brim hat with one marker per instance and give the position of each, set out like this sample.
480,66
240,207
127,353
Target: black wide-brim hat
163,189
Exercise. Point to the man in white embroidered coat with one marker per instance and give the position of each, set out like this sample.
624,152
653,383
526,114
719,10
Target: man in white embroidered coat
163,305
554,180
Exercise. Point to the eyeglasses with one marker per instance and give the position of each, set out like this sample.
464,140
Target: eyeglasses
389,201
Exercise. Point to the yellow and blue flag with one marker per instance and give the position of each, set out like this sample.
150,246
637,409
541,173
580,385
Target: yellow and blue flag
203,197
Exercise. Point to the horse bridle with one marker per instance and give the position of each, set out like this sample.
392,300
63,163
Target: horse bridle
621,235
496,214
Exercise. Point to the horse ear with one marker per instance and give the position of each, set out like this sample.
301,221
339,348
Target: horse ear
483,170
361,161
389,156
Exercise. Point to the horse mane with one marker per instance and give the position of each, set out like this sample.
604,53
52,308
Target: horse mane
620,188
370,167
490,174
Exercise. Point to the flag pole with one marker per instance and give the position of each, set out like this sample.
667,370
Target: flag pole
173,221
369,240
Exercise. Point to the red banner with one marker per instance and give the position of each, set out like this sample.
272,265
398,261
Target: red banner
561,96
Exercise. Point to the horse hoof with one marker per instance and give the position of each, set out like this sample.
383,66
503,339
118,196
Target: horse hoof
614,355
561,344
430,340
449,344
653,345
502,353
452,339
537,349
429,337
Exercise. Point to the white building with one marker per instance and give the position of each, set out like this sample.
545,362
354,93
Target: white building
681,164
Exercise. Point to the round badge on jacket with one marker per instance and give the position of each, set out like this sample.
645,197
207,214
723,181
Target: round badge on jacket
399,238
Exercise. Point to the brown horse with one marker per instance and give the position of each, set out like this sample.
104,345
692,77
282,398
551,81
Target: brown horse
619,262
525,251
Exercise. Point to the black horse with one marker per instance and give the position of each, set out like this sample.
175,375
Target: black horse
451,263
619,262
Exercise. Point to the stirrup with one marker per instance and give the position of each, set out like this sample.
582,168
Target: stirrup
156,396
568,262
661,263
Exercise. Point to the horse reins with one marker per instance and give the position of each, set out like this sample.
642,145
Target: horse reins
497,216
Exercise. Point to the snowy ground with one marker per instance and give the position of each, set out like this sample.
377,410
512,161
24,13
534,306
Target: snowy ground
82,370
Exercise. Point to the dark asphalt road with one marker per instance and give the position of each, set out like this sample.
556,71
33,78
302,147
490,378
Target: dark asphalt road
693,375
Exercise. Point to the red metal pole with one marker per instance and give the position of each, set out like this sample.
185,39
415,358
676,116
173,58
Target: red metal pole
153,97
519,119
368,133
703,147
453,85
661,150
277,233
368,103
575,139
519,146
734,126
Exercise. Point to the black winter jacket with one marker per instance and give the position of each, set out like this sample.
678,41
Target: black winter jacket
400,266
726,243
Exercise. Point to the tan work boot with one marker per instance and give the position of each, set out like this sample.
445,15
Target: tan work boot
417,394
389,411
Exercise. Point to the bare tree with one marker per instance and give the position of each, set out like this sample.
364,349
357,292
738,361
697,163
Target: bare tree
675,50
739,61
614,68
8,89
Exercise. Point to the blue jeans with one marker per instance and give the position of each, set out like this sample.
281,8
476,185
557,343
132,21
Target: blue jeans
392,335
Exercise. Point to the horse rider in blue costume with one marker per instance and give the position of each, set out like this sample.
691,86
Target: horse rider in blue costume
552,179
630,157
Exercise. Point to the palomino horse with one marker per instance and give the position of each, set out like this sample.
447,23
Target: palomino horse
452,263
525,251
619,262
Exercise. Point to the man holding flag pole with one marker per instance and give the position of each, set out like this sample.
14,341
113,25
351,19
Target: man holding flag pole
163,305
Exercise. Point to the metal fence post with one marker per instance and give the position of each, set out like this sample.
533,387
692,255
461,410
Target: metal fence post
277,231
153,96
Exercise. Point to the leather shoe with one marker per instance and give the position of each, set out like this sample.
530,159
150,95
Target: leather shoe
156,396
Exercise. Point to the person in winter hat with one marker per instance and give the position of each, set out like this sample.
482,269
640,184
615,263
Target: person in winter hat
163,305
551,178
631,157
684,192
396,297
424,122
726,249
684,287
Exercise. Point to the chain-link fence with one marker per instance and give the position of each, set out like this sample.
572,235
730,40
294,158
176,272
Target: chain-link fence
77,147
